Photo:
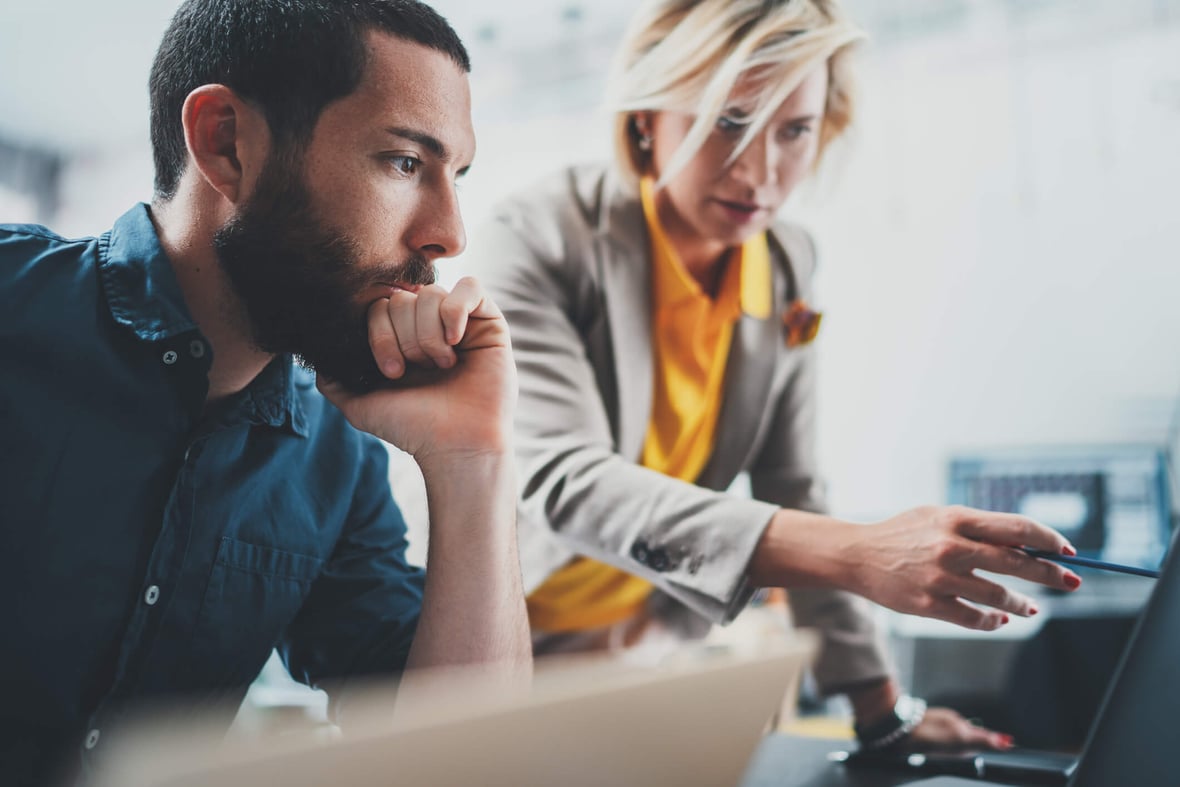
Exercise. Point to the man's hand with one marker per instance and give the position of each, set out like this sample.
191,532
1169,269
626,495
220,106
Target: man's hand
452,409
452,356
922,562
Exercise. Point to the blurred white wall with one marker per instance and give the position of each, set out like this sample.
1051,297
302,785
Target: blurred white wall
999,240
1001,250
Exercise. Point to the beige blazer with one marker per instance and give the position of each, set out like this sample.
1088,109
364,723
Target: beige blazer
568,263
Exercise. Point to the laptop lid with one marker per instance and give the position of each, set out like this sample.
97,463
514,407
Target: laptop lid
1135,739
695,722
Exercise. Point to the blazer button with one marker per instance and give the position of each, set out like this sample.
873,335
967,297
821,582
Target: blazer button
659,560
639,552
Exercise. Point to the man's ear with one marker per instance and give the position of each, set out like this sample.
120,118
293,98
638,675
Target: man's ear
228,140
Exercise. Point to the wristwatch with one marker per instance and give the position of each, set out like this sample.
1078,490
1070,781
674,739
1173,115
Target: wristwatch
906,715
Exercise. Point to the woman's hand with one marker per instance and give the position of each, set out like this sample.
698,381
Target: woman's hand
922,562
946,728
940,728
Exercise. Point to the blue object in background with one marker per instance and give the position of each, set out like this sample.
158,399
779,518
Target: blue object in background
1112,502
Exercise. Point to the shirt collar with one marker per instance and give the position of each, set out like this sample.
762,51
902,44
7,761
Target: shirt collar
272,398
138,279
672,283
144,295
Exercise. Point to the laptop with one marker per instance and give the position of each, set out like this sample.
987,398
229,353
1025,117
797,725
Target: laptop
695,721
1135,738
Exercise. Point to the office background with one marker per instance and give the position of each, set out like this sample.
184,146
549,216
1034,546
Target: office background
999,238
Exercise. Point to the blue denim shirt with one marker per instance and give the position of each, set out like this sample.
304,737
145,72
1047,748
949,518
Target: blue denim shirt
149,548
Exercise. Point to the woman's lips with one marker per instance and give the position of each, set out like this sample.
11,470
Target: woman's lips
740,212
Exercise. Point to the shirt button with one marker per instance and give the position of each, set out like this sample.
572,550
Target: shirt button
91,739
196,348
170,357
152,595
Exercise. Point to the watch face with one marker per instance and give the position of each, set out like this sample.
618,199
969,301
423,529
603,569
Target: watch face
911,710
905,708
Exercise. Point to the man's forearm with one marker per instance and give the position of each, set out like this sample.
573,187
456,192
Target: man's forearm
473,609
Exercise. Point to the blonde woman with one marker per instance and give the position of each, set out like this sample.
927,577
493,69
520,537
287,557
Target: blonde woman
659,315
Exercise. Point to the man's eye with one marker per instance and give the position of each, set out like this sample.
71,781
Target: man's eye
405,165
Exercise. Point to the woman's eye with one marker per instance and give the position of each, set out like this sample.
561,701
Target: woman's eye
796,131
728,125
405,165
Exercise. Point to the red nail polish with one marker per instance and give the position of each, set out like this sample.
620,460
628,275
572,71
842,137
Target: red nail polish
1073,581
1032,611
1004,621
1068,550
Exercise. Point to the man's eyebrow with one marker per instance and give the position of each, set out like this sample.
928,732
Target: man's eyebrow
423,139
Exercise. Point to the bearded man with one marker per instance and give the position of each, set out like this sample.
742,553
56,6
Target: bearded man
179,496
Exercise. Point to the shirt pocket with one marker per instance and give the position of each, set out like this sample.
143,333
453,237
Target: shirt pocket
253,593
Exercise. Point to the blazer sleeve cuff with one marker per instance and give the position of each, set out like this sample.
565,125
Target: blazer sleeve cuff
714,581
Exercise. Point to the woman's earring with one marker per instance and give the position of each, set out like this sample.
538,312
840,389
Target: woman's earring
642,133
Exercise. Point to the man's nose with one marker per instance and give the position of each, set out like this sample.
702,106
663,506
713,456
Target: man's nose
439,231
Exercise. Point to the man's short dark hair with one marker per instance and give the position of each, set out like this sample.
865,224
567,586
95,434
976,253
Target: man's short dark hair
290,58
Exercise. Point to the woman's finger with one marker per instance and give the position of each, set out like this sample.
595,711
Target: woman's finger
1005,560
990,594
1009,530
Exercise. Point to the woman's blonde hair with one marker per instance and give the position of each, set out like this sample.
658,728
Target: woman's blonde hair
687,56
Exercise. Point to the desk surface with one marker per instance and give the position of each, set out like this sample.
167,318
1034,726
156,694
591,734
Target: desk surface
790,761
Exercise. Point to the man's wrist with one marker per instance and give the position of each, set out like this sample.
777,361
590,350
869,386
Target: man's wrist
441,466
467,487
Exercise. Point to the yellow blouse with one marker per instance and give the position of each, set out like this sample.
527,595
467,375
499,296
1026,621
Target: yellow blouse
691,334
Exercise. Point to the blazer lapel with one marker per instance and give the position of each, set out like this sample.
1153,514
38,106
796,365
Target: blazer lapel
627,295
749,374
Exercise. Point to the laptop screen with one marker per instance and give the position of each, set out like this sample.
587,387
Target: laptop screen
1136,736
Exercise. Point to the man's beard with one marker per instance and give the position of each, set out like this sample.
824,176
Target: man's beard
298,279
